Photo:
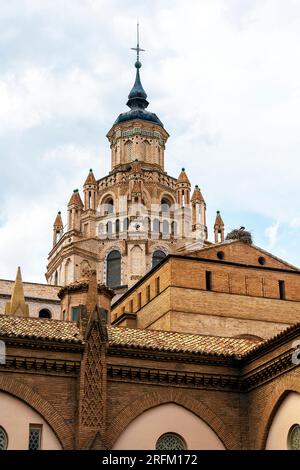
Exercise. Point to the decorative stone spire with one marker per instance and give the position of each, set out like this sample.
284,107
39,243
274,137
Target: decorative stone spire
183,187
199,214
57,228
75,199
75,207
197,196
89,189
16,305
219,228
90,180
58,223
183,178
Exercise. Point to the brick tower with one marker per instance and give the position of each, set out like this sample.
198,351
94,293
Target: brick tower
130,219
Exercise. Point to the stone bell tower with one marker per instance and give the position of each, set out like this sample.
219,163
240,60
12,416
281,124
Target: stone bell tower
134,216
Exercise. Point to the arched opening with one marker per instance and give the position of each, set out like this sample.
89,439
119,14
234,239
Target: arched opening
44,313
117,226
147,224
56,278
23,428
109,229
156,226
284,432
125,224
108,206
165,205
68,272
174,229
157,257
3,439
113,269
166,228
157,427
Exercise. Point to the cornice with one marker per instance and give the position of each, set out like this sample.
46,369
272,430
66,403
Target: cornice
32,365
174,378
242,382
42,344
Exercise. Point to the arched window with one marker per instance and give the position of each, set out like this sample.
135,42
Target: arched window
117,226
113,269
165,205
147,224
44,313
56,278
174,229
294,437
108,206
166,228
125,224
170,441
3,439
109,228
156,226
157,257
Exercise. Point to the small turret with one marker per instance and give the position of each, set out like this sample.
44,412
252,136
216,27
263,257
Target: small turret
199,212
219,228
16,305
183,189
90,191
75,207
57,228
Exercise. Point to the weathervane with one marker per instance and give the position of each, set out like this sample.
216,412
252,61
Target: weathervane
137,48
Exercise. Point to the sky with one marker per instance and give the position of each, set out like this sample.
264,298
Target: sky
222,75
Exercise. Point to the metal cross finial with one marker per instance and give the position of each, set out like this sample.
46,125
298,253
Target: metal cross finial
137,48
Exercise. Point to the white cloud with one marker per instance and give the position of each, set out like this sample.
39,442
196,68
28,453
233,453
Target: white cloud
33,96
222,75
271,233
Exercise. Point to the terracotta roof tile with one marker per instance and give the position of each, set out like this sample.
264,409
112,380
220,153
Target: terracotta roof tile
68,332
179,342
36,328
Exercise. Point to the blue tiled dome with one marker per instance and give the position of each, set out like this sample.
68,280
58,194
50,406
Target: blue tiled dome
137,102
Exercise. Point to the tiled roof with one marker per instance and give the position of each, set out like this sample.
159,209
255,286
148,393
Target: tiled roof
68,332
75,199
197,195
90,178
179,342
58,221
183,178
219,220
35,328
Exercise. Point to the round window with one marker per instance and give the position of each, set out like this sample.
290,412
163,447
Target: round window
3,439
294,437
170,441
220,255
262,260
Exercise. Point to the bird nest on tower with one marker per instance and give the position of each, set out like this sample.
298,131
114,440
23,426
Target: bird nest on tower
240,234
